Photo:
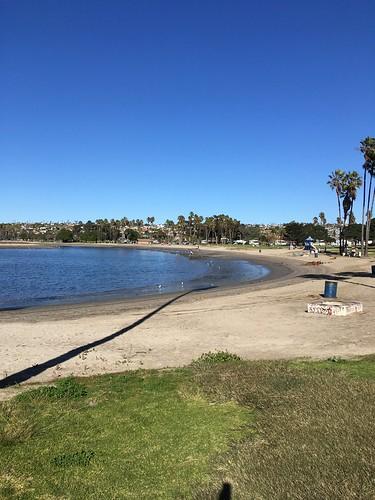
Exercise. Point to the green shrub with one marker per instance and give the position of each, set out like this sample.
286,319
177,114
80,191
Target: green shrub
67,388
336,359
216,357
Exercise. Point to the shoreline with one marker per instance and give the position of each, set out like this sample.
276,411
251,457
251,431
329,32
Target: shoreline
263,320
278,271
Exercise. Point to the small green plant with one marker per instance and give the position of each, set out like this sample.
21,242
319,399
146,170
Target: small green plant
15,425
67,388
216,357
335,359
82,458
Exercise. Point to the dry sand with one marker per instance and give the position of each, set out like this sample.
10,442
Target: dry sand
266,320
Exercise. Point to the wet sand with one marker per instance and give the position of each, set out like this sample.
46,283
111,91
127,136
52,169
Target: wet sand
263,320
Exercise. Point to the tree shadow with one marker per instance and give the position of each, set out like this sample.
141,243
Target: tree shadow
356,274
226,492
343,276
32,371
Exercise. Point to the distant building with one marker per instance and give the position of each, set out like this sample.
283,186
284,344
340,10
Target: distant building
333,231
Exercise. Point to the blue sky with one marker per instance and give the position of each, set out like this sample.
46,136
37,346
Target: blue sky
155,108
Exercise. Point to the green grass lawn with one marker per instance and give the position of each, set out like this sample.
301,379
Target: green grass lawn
273,430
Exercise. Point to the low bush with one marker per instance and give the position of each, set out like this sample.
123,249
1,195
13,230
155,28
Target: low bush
216,357
67,388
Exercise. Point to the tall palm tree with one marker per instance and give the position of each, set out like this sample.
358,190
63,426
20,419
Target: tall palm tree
322,217
191,222
169,224
368,150
181,225
208,226
345,185
352,182
335,182
198,219
211,224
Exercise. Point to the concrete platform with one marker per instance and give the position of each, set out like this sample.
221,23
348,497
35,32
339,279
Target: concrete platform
334,308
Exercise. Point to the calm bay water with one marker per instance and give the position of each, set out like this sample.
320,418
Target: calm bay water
42,276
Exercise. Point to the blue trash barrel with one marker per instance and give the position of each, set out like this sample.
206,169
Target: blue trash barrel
330,289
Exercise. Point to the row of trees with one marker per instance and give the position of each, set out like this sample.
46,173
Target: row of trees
194,229
346,186
298,232
91,232
215,229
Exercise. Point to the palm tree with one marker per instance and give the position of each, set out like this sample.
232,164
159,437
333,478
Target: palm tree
335,182
345,185
198,219
190,222
322,217
352,182
181,224
208,226
368,150
169,224
211,224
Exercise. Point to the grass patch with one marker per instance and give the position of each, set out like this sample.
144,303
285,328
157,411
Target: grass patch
67,388
216,357
139,435
280,430
314,429
362,368
81,458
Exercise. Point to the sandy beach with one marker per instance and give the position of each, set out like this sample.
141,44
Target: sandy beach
263,320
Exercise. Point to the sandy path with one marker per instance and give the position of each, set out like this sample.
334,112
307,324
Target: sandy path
262,321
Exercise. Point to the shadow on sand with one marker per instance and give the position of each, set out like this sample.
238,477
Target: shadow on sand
32,371
341,277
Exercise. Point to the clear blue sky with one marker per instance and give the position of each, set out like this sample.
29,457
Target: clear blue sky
154,108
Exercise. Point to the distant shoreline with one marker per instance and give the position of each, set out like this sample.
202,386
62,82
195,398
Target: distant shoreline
278,271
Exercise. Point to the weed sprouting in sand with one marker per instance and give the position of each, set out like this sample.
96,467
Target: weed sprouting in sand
209,358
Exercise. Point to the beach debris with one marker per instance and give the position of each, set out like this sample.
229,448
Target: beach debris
334,308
